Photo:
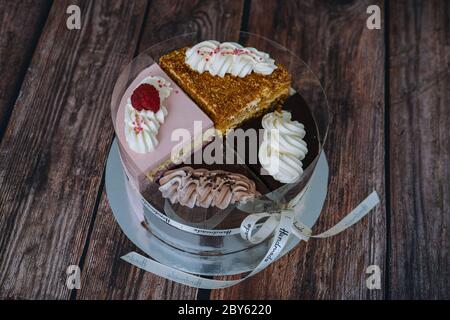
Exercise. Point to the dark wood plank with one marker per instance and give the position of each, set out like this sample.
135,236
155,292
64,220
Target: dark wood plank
54,150
420,149
331,36
105,275
167,19
21,23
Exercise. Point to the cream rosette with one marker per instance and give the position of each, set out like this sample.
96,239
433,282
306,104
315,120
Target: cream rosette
204,188
283,148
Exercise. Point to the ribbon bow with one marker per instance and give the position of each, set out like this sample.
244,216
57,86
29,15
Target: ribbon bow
256,228
259,226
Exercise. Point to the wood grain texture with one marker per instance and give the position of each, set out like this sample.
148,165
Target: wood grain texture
420,149
104,275
21,23
54,211
167,19
54,150
331,36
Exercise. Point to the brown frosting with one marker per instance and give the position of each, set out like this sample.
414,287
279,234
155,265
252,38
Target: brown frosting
206,188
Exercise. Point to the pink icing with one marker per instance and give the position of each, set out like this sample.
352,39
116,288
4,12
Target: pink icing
182,112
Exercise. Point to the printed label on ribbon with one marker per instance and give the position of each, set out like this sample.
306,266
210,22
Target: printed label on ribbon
185,278
284,225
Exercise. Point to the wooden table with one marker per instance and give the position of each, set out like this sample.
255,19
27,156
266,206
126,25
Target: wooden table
388,91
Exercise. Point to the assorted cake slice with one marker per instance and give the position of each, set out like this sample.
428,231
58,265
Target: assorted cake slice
223,86
146,123
230,83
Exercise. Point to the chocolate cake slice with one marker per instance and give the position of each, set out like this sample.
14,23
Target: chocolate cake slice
300,112
203,215
243,156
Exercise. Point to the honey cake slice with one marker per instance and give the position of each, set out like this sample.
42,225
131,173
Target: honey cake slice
228,100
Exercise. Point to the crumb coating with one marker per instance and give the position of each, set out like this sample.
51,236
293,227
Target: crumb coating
228,101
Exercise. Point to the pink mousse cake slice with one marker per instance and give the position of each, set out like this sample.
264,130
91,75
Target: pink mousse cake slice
180,112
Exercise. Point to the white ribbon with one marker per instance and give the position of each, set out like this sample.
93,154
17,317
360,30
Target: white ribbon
281,225
253,231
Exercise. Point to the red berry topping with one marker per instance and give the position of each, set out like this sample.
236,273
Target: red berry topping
145,97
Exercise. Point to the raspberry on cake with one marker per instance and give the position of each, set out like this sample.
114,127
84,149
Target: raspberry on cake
232,84
146,96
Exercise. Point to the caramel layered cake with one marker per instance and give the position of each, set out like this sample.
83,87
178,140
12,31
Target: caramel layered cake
151,110
232,84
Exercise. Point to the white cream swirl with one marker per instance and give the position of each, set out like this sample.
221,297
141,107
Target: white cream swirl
228,57
283,148
141,127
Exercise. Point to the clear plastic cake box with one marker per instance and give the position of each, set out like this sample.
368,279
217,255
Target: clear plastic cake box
207,241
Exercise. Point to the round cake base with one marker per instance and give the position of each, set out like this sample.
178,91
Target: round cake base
125,208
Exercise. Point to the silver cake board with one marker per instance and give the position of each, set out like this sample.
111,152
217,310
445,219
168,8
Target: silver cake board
212,265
